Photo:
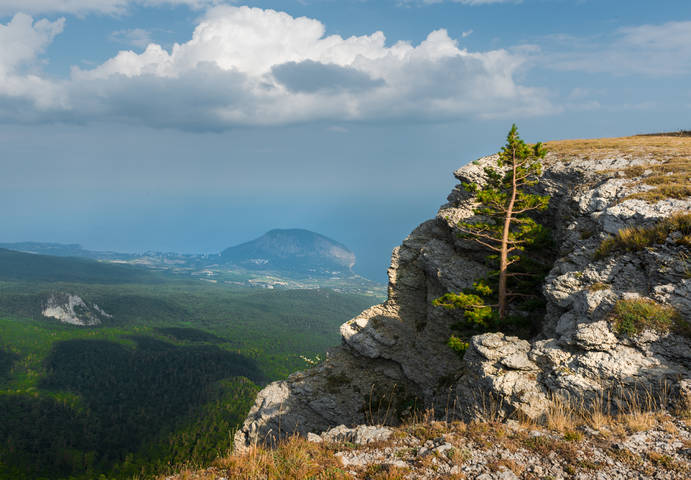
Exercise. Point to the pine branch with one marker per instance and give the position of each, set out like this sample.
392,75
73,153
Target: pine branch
480,234
491,247
527,209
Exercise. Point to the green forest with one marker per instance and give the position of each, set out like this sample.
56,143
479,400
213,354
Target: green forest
165,381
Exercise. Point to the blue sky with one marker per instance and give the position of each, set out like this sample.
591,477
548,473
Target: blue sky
192,125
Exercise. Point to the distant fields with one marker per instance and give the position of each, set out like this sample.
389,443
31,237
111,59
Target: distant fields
164,381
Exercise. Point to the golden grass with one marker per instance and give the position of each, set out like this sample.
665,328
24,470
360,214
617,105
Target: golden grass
508,464
638,238
669,172
293,459
670,179
386,472
561,415
637,421
659,148
562,436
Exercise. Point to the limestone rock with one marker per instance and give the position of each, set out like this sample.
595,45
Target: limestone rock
72,309
360,435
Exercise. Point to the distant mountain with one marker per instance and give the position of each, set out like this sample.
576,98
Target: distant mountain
285,259
293,250
55,249
65,250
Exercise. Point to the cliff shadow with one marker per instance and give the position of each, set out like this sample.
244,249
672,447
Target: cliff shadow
124,400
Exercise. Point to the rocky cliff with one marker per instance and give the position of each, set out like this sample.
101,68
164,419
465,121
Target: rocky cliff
394,358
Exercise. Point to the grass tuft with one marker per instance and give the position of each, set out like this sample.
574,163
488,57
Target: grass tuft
293,459
631,317
635,239
597,286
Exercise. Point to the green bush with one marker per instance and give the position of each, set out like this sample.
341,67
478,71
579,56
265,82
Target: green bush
631,317
458,345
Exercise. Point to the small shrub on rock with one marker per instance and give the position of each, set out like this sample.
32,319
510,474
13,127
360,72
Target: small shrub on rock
458,345
631,317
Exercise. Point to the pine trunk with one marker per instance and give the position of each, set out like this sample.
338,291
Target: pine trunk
504,257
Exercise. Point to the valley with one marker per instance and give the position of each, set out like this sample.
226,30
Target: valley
120,370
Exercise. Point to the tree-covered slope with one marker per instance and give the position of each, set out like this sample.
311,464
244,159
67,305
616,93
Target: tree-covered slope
21,266
165,380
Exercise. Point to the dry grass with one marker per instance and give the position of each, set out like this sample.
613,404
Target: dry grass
508,464
670,179
544,445
563,437
637,408
666,462
386,472
638,421
561,415
597,286
293,459
635,239
669,170
659,148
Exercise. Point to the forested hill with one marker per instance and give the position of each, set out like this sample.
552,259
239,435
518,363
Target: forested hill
20,266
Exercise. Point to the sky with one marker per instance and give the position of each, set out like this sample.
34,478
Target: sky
193,125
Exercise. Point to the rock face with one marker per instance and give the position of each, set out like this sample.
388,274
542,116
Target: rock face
71,309
394,357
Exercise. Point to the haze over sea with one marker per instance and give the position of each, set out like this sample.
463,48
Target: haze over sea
192,125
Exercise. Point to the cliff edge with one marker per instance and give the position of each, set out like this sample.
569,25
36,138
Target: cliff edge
394,359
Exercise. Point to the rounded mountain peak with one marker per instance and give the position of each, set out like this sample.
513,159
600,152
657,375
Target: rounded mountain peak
292,249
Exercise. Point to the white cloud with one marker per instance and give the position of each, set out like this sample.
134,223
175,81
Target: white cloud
81,7
136,37
22,40
656,50
248,66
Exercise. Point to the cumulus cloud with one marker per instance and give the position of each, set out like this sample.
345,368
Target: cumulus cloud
81,7
310,76
248,66
22,40
655,50
24,93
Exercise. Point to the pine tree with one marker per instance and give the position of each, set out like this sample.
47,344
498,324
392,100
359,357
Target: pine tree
502,225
